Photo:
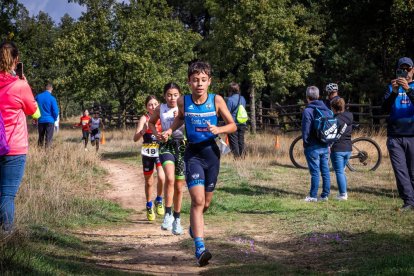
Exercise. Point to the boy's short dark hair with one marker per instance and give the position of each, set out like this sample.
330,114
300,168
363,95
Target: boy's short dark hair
234,87
198,67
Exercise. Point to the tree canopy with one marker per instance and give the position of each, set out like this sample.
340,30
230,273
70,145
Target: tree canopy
117,53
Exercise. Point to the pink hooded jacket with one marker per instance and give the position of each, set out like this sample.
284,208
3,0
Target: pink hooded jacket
16,101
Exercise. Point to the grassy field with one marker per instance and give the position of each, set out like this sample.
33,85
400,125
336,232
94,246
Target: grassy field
258,222
62,190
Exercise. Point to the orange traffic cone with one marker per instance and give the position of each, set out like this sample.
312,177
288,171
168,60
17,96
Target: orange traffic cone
103,141
277,142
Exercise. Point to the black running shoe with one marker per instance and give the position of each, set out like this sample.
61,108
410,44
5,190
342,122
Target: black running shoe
203,259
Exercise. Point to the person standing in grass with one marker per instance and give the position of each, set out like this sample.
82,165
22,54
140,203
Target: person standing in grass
341,150
399,104
171,156
236,140
85,124
316,151
150,159
49,111
200,111
95,124
16,101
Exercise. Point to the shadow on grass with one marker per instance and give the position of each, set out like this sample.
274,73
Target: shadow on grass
119,154
252,190
375,191
290,166
365,253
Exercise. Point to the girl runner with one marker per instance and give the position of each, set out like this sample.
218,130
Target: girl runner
172,157
150,158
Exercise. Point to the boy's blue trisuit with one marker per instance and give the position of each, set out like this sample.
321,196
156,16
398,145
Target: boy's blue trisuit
202,156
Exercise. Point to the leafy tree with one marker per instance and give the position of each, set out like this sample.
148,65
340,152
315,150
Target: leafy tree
126,51
261,43
9,11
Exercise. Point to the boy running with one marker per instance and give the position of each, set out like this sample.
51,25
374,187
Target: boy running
200,111
95,123
84,122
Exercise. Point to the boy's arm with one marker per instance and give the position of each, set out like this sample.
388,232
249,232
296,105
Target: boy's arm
55,109
306,126
389,99
153,121
140,128
178,120
222,111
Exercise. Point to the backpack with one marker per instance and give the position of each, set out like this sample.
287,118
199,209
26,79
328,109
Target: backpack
241,115
4,145
326,126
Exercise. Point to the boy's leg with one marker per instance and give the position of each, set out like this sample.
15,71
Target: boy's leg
397,152
240,131
197,195
234,144
312,158
42,131
50,127
326,178
97,144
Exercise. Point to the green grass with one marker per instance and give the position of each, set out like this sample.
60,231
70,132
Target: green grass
50,252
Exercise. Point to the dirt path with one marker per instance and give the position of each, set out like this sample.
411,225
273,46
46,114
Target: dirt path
139,246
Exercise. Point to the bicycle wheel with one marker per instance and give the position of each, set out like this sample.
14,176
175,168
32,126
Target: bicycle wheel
297,155
366,155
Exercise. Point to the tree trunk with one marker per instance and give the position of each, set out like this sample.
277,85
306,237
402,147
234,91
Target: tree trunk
252,92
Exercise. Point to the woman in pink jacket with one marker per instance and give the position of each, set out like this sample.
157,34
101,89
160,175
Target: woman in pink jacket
16,101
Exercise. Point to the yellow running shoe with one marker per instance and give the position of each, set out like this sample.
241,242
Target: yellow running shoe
159,206
150,214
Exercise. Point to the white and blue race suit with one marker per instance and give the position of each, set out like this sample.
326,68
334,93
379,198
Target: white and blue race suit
202,156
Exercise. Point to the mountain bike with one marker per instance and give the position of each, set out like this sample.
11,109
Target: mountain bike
366,154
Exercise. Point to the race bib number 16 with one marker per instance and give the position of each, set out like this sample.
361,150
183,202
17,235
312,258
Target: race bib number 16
150,150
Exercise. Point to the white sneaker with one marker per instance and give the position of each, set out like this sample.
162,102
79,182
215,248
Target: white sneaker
168,221
323,198
311,199
176,227
342,196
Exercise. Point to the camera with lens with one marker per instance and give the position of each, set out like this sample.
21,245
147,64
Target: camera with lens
401,73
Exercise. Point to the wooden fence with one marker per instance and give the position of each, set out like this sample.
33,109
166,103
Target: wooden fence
288,117
277,118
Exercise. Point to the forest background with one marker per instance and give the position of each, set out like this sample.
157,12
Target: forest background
117,53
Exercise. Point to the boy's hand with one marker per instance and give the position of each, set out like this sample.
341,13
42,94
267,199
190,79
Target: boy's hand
165,135
213,129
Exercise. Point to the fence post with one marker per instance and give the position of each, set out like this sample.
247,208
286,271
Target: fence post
260,114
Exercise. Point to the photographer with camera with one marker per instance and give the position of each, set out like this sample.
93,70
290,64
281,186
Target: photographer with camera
399,104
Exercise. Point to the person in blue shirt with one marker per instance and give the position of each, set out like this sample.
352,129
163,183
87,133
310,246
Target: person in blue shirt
236,139
316,151
200,111
398,103
49,112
